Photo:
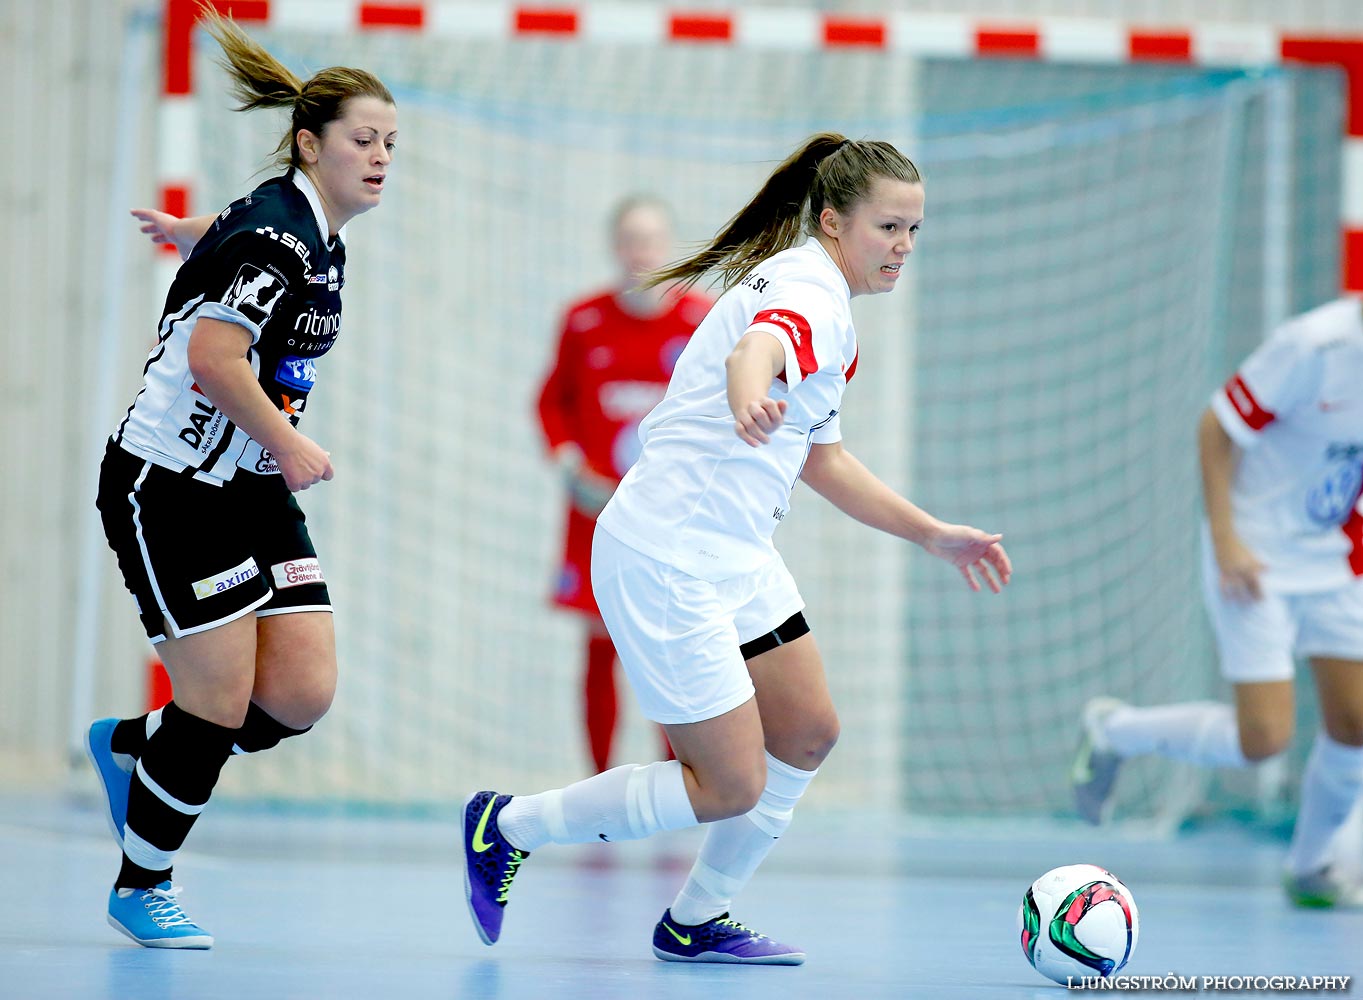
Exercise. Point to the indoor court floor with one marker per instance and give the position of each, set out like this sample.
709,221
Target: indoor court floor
353,907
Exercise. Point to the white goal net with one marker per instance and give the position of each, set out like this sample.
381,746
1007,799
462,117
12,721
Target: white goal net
1089,269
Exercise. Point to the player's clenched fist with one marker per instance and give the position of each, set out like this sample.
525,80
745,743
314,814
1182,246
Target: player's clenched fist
755,421
304,463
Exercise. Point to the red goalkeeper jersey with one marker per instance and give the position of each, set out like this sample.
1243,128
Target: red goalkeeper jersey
610,370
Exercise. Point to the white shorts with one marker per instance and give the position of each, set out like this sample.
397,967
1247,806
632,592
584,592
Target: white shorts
677,636
1258,640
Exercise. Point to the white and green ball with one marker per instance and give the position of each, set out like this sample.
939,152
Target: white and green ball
1078,921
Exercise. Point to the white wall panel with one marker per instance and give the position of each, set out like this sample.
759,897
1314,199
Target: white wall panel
59,61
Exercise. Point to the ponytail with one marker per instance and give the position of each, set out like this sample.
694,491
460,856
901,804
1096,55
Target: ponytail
827,171
259,80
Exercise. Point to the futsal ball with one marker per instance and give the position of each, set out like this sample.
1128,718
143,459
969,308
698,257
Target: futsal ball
1078,921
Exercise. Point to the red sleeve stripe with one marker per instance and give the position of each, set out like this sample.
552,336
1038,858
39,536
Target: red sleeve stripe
1256,418
1353,531
852,368
796,327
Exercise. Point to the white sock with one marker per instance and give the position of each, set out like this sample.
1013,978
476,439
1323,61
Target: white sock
1329,788
625,803
734,847
1199,732
1348,845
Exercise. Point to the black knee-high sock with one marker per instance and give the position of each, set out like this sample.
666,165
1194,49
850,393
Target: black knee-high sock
261,731
172,783
130,735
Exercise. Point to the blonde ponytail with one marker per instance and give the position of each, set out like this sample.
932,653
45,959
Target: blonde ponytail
259,80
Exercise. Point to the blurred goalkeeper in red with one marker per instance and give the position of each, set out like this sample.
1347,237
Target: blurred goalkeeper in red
616,351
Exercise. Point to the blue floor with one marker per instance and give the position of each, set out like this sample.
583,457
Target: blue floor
338,908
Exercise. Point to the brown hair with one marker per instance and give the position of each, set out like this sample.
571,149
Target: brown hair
827,171
259,80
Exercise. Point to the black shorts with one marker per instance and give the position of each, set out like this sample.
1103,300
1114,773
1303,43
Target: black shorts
195,555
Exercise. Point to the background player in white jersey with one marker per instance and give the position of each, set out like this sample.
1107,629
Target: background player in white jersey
1281,448
196,484
706,617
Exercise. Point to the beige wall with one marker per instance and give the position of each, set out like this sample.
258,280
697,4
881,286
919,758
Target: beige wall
60,62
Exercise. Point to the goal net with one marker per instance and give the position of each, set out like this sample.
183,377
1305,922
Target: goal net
1092,264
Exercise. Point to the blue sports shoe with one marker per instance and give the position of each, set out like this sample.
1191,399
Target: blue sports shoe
153,918
115,773
719,940
490,863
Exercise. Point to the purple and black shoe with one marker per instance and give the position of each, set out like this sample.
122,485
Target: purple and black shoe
490,863
719,940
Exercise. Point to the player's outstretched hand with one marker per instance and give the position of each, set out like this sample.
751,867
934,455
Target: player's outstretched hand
304,463
754,422
973,551
1240,569
160,226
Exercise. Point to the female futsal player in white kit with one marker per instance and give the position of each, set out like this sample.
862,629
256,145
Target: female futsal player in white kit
707,620
1281,448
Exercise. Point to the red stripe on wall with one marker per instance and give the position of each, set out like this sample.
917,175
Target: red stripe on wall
159,690
243,10
860,31
180,16
178,32
1351,259
174,200
1007,42
546,21
411,16
1149,46
701,27
1347,54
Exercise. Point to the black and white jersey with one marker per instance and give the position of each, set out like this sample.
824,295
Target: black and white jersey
265,264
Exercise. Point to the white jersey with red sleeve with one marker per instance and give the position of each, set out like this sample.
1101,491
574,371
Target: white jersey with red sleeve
699,498
1295,408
